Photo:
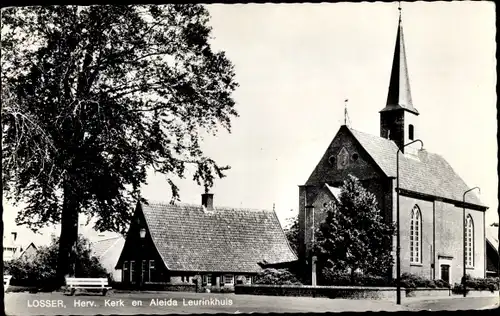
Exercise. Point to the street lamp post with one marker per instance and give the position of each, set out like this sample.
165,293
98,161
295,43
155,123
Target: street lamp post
398,238
465,241
142,234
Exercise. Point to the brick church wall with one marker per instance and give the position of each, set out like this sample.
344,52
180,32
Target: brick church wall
325,172
406,205
449,239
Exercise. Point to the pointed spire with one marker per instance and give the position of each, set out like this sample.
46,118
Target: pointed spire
399,95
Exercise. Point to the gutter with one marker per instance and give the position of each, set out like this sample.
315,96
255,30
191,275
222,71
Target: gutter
431,198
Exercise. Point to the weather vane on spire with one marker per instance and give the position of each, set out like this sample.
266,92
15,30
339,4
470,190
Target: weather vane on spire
346,116
399,9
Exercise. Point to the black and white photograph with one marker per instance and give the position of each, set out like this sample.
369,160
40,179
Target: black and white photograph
249,158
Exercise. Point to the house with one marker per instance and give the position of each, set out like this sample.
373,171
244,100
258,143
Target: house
14,249
107,250
29,251
432,225
11,247
492,256
174,243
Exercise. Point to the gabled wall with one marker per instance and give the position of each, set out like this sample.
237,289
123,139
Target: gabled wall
327,171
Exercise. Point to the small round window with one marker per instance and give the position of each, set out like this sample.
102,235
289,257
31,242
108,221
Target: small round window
331,160
355,157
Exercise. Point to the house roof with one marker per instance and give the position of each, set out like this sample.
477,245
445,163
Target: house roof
492,236
428,173
100,247
27,248
225,240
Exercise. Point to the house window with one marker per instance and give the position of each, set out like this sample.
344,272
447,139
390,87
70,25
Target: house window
229,279
151,270
125,271
144,275
410,132
416,235
469,242
132,271
207,279
248,279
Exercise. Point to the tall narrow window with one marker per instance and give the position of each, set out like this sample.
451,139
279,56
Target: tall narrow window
125,272
144,274
152,271
132,272
416,235
469,242
410,132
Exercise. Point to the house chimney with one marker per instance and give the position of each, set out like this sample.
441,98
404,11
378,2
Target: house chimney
14,236
207,200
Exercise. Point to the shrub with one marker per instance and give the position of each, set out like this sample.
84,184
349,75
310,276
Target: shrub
329,277
480,284
40,270
442,284
411,281
459,289
276,276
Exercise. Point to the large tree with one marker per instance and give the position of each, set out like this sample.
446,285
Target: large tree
354,234
93,97
292,233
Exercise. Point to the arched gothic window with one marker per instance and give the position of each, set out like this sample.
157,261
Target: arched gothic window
416,235
469,242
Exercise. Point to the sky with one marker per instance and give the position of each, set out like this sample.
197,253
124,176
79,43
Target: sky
297,63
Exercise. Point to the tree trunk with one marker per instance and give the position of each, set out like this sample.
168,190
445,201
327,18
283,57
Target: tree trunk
69,235
352,276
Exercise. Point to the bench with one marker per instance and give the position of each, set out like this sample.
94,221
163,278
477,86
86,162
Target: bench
6,282
88,284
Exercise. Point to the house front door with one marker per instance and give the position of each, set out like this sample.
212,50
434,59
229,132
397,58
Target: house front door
445,272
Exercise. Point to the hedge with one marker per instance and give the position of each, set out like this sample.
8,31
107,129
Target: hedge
478,284
411,281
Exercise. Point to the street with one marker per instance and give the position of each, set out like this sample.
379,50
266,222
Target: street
450,304
195,303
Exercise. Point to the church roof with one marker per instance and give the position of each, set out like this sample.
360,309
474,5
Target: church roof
428,173
334,191
399,95
188,238
492,236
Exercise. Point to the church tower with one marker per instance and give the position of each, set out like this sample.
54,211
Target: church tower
399,117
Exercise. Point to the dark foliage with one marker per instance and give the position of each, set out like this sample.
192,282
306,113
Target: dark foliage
329,277
478,284
292,233
411,281
95,96
40,271
354,235
276,277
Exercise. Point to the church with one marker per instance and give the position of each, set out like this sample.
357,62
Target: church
433,227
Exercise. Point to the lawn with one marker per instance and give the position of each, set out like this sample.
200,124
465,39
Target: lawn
178,303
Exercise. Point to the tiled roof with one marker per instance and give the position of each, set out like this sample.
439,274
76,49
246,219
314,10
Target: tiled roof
428,174
225,240
335,191
100,247
492,236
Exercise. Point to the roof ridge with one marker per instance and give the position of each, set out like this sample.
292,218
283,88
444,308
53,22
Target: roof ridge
111,246
107,238
220,207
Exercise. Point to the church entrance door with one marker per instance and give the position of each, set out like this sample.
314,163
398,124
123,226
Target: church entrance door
445,273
